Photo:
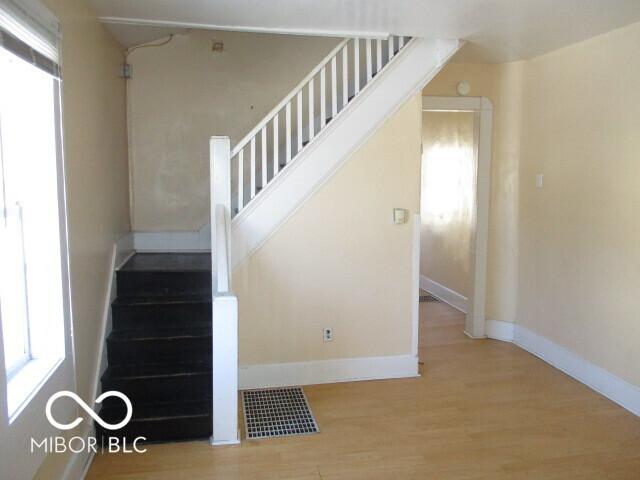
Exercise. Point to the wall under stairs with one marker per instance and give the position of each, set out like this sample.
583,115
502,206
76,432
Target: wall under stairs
317,247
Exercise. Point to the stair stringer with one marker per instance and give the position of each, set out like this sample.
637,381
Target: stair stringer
417,64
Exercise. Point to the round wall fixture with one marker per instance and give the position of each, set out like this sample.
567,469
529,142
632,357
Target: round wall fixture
463,88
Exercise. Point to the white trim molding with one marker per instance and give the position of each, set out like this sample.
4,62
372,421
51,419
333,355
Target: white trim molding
500,330
121,251
625,394
614,388
173,241
456,104
415,277
328,371
456,300
80,462
310,32
475,323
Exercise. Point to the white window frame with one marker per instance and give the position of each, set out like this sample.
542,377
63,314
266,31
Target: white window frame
34,25
12,370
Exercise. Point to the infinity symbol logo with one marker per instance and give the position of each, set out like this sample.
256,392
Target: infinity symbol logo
86,408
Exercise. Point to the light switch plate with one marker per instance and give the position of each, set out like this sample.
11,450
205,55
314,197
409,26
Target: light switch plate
399,216
539,180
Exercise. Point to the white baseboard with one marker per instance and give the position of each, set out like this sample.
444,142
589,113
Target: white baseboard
457,301
79,463
327,371
614,388
172,241
499,330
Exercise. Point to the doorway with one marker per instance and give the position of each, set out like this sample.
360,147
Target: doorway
454,206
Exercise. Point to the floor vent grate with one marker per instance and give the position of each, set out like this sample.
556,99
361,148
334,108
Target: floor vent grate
427,297
277,412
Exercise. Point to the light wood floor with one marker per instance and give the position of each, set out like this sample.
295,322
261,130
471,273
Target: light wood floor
482,409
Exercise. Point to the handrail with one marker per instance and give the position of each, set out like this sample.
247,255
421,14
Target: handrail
267,118
335,82
304,113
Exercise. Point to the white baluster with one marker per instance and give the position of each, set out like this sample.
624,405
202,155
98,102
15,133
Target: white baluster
299,115
390,46
312,125
400,43
288,130
253,167
334,88
368,55
356,65
323,98
240,180
345,77
276,159
378,55
264,156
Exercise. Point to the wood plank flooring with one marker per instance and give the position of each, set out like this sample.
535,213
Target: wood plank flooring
482,409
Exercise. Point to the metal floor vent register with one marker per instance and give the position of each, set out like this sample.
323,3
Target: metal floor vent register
427,297
277,412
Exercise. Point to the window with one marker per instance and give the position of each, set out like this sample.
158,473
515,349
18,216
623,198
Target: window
32,235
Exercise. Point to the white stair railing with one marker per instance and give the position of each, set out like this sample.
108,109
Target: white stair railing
270,146
224,303
304,113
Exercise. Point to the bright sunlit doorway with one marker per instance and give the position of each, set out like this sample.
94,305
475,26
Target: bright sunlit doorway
454,206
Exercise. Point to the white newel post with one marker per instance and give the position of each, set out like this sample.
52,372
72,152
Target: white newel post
224,303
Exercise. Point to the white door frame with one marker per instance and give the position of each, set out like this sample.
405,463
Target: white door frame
483,108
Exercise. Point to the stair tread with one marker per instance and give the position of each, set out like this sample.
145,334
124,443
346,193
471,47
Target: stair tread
161,300
155,370
159,411
168,262
197,331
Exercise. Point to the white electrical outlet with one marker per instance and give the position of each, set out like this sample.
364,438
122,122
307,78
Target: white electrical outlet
327,334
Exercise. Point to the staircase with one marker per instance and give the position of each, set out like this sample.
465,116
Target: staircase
305,112
307,137
159,349
173,349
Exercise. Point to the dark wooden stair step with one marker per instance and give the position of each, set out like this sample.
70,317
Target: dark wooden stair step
161,422
153,383
152,274
191,344
152,313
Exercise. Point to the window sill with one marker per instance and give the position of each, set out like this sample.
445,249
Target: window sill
26,383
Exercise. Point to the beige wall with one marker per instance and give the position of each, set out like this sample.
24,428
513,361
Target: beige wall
580,234
564,260
182,93
95,146
502,85
339,261
447,198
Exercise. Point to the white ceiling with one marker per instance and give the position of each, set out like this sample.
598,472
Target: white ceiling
497,30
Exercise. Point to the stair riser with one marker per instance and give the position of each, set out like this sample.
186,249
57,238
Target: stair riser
160,389
153,317
193,349
158,284
162,430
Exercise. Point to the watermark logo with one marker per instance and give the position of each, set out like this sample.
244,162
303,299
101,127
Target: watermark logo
89,410
90,444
